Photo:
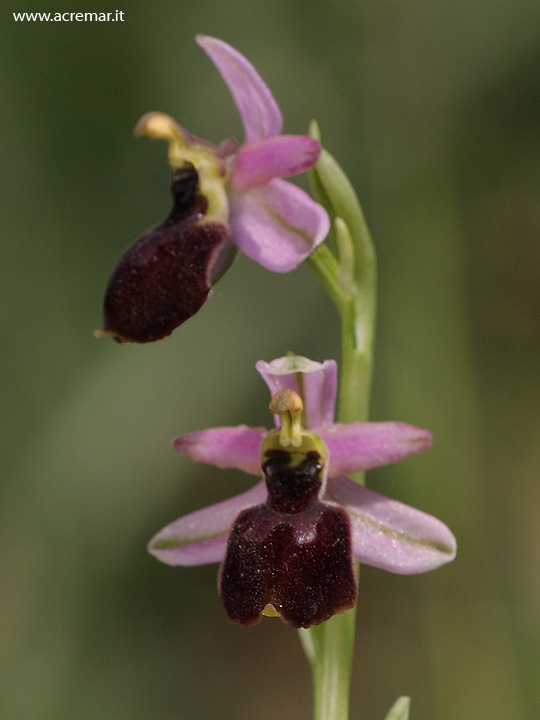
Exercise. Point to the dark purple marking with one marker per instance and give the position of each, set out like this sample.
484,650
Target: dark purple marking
292,551
163,278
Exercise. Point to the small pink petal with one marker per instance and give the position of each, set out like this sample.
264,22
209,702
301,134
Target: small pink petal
227,147
316,382
282,156
261,116
201,537
225,447
361,445
390,535
277,225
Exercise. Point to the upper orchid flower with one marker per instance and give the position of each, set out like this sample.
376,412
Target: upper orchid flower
224,198
287,545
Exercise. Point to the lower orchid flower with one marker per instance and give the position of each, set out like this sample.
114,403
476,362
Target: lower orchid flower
287,546
224,198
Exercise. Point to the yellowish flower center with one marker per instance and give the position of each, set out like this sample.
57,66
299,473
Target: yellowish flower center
210,168
292,435
288,405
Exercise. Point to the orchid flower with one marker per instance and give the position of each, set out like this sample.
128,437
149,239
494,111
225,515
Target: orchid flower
287,545
223,198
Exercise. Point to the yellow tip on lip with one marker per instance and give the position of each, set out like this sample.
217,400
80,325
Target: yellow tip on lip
109,333
270,611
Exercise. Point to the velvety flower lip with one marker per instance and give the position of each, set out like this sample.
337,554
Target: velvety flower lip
165,276
384,533
290,555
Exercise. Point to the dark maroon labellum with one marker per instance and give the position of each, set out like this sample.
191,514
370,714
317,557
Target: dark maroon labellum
292,552
164,277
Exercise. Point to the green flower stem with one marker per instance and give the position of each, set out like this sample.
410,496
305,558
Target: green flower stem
357,319
400,709
355,278
324,264
329,649
351,282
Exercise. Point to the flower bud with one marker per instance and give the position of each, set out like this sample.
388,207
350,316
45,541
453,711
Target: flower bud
165,276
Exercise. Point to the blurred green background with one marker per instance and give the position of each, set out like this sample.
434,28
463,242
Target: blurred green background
433,108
